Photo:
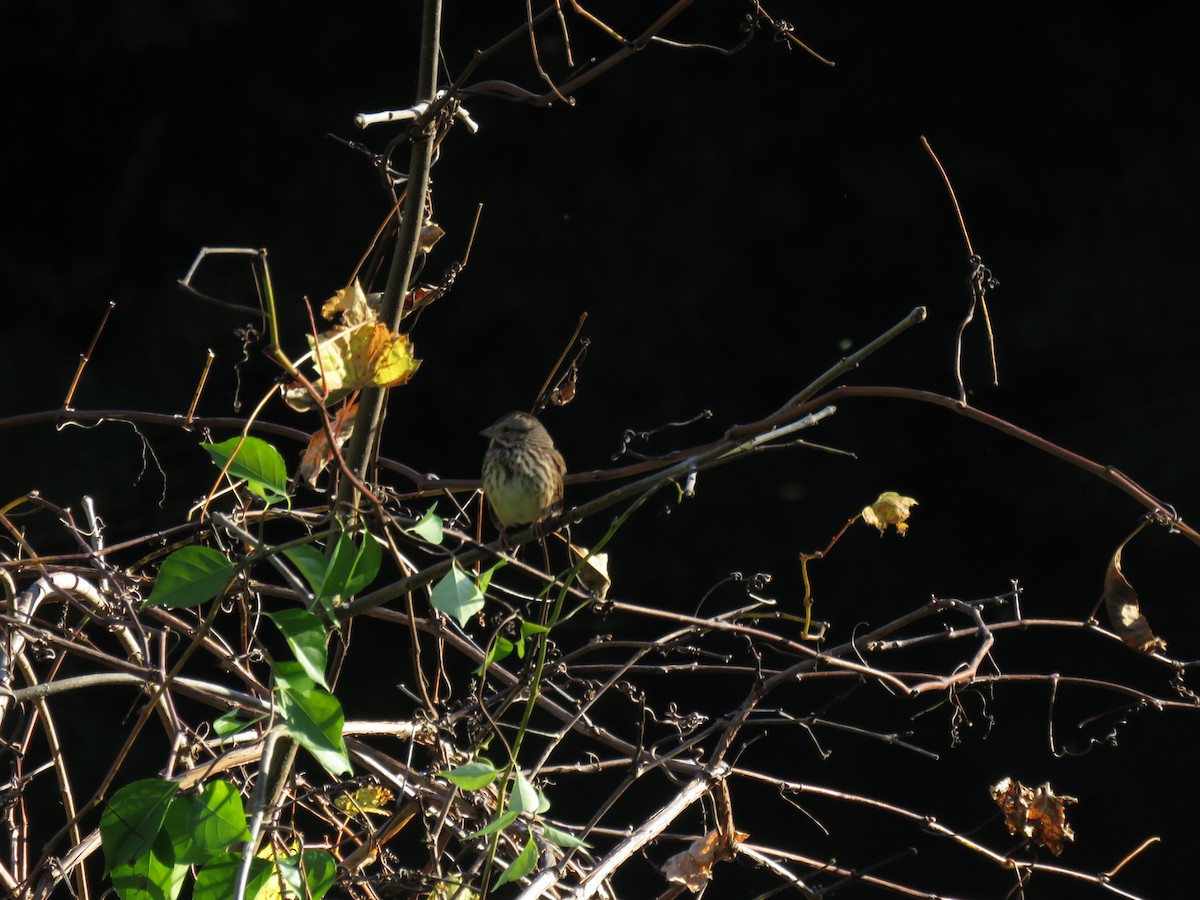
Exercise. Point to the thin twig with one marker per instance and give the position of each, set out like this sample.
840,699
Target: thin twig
208,361
962,225
625,52
542,398
1133,854
84,357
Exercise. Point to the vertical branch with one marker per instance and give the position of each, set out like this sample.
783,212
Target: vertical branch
363,443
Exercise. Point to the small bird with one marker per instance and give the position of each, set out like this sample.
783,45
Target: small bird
522,471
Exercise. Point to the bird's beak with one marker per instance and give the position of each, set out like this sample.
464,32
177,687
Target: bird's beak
489,433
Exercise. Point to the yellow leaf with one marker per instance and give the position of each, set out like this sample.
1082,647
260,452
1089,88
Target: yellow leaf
332,350
389,357
889,509
366,356
274,888
367,799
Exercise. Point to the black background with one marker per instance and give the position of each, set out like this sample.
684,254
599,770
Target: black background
731,225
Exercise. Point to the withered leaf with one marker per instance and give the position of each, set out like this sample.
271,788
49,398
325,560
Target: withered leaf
318,454
693,867
1124,611
564,393
594,573
1037,813
352,304
431,233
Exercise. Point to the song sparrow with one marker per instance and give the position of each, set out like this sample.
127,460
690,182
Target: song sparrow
522,471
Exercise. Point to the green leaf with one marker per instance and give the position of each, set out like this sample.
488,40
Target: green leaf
175,842
473,775
486,578
190,576
530,628
217,879
349,570
457,596
367,559
501,648
230,723
291,676
562,838
522,865
199,828
305,635
217,819
341,564
366,567
149,877
527,629
497,824
429,526
256,461
525,797
309,874
313,717
311,563
132,818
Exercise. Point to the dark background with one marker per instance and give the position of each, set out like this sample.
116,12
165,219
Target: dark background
731,225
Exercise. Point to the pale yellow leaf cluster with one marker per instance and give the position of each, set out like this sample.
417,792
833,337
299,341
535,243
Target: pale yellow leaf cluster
890,509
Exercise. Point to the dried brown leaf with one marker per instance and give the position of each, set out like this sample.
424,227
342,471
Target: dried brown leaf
1124,609
693,867
318,455
431,233
567,387
352,304
1037,813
